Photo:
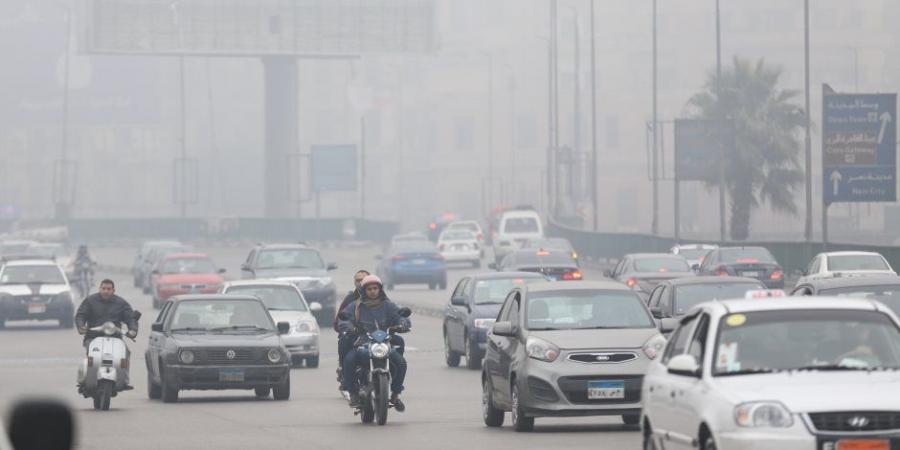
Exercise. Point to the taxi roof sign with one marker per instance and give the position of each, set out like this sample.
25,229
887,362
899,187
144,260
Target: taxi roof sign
764,293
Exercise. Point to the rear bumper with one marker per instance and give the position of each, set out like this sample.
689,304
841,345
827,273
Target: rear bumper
471,255
301,344
54,311
207,377
429,276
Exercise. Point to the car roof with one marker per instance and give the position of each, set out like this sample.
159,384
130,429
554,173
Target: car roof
284,246
577,286
839,282
653,255
851,254
791,303
520,213
194,297
505,275
30,262
258,282
687,281
186,255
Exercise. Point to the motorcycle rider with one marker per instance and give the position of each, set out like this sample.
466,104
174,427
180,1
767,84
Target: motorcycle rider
364,315
101,307
83,266
345,341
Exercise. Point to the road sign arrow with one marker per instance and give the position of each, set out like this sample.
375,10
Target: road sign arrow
885,120
836,182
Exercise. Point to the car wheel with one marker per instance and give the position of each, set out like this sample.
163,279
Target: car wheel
450,356
283,390
169,392
312,362
262,392
154,391
631,419
709,444
493,417
649,441
473,355
520,421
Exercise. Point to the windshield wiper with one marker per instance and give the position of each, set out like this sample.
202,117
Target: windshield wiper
745,372
177,330
832,368
240,328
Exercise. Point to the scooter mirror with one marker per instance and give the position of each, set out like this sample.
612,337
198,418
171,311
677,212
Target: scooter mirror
137,315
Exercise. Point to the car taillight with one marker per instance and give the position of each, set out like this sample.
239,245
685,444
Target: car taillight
398,258
569,276
631,282
432,226
776,275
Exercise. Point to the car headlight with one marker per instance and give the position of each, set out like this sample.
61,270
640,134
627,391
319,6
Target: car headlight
379,350
763,415
186,357
541,350
654,347
484,323
274,355
304,326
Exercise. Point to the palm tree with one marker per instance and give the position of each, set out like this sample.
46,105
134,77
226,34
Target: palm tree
762,166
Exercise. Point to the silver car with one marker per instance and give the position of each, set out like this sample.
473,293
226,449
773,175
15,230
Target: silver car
568,349
286,303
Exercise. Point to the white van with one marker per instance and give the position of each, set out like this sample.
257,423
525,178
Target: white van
515,228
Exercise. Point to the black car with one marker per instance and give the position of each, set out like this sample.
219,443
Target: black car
643,271
671,299
301,265
217,342
748,262
412,263
472,310
558,244
553,264
885,289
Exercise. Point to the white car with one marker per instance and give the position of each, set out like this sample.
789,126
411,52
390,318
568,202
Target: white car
286,303
515,227
846,264
781,373
35,289
693,253
467,225
460,246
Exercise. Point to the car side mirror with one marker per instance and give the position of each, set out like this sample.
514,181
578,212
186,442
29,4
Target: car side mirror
332,266
493,266
506,329
657,313
458,301
315,306
284,328
667,325
157,327
246,266
684,365
222,270
137,315
41,424
404,312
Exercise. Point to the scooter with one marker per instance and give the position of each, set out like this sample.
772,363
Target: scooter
104,371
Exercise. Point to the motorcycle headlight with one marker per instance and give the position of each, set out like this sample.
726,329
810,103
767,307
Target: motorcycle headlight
654,347
304,326
541,350
484,323
110,329
379,350
763,415
274,355
186,357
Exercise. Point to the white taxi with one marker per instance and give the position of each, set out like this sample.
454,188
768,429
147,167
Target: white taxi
821,373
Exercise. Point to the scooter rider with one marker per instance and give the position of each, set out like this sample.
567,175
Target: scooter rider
345,341
101,307
374,310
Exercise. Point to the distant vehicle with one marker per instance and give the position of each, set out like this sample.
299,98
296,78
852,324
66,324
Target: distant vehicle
35,289
846,264
693,253
515,227
555,265
409,237
217,342
153,256
568,349
672,299
749,262
468,225
757,374
643,271
413,264
285,303
439,223
301,265
15,247
885,289
184,273
460,246
53,251
138,266
559,244
472,311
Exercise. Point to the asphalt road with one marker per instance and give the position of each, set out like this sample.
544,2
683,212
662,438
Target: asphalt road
443,404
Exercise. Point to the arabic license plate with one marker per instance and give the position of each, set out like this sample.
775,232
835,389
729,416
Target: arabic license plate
37,308
750,274
231,376
605,390
418,262
863,444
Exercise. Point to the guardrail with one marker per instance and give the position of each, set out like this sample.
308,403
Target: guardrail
793,256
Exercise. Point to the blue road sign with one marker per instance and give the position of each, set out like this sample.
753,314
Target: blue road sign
859,147
333,168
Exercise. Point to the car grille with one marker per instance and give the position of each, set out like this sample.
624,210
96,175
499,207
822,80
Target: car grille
855,421
575,388
602,357
220,356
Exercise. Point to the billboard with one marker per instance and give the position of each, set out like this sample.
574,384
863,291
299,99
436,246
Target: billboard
333,168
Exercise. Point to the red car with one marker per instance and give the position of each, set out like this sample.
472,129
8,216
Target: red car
184,273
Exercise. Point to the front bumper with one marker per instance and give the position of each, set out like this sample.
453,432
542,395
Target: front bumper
207,377
751,439
55,310
306,344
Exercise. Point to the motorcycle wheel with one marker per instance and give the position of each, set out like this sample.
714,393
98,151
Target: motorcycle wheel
382,392
366,411
103,395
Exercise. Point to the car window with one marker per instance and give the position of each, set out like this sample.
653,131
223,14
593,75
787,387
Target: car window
711,258
458,292
495,290
292,258
813,266
32,275
507,305
457,235
653,302
661,264
250,257
188,265
690,295
276,298
665,300
162,312
679,340
887,294
697,347
514,309
746,255
856,262
521,225
237,315
585,309
802,290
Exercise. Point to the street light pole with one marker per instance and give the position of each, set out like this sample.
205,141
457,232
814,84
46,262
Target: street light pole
722,224
594,200
63,204
808,142
654,226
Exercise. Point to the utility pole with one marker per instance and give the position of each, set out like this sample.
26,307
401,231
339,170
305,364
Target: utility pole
362,166
63,205
654,226
576,104
594,201
809,213
722,225
554,46
490,165
183,172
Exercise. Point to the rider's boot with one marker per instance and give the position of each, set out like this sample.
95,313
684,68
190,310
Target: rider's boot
398,404
354,399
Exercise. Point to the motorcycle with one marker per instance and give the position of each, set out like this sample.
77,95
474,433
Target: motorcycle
375,379
84,272
104,370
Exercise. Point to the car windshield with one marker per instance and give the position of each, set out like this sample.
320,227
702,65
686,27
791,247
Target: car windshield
279,298
458,236
414,247
687,296
661,264
521,225
586,309
856,262
468,226
158,253
693,253
188,265
32,275
887,294
300,258
746,255
768,341
495,291
549,244
221,315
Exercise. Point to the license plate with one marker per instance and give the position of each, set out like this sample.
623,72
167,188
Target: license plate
418,262
604,390
231,376
37,309
863,444
751,274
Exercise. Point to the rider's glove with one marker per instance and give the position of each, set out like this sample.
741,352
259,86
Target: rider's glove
132,334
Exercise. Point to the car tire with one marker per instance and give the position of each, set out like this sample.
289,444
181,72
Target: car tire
451,357
169,393
312,362
154,391
649,441
520,421
473,355
262,392
631,419
283,390
2,323
493,416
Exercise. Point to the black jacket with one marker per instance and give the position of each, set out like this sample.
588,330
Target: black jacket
351,297
94,311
